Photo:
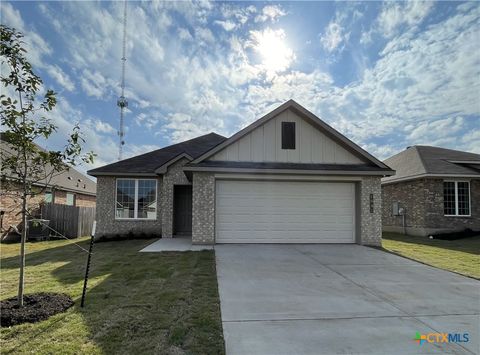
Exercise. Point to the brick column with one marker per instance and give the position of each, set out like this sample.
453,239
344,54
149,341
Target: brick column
203,209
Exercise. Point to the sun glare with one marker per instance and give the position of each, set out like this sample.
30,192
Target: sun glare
270,44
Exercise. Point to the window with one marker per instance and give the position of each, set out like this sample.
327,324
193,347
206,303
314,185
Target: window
288,135
456,198
70,199
136,198
48,197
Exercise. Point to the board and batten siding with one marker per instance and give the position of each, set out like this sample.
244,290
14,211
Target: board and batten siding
264,144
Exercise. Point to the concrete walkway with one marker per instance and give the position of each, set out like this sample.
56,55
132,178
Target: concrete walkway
338,299
174,244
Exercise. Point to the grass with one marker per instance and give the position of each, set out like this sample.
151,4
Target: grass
461,255
144,303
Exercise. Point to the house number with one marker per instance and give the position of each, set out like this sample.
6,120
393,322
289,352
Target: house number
371,203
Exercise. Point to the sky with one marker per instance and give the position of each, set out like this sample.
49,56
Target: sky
386,75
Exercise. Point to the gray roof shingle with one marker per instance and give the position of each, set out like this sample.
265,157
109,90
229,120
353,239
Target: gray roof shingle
147,163
419,160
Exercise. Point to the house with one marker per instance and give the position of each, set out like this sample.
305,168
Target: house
434,190
67,188
286,178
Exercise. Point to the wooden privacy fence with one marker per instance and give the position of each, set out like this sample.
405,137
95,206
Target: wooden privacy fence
71,221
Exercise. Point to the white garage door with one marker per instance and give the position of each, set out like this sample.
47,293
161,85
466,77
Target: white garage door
284,212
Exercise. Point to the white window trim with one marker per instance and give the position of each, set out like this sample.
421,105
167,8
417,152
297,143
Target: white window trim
45,196
456,199
135,206
73,198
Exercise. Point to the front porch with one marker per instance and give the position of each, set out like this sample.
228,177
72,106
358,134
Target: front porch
174,244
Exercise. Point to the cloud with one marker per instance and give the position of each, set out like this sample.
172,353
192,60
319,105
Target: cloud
104,127
366,37
184,34
396,14
61,77
12,17
270,13
334,36
182,127
95,84
204,34
226,25
470,141
419,81
430,131
147,120
65,117
236,14
37,48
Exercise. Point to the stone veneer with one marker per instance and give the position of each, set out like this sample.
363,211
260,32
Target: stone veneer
105,213
173,176
203,208
203,224
422,200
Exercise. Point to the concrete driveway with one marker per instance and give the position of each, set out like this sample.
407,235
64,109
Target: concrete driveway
338,299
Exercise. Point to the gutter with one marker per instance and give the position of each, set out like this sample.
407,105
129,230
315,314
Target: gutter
421,176
288,171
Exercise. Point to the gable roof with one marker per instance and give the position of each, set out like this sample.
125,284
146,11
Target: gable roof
155,162
312,119
69,180
421,161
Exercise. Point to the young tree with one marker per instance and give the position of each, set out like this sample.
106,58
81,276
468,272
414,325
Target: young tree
27,165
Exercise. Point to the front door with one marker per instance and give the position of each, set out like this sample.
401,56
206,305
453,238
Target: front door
182,210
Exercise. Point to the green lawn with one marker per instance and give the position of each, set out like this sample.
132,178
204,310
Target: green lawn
462,255
138,303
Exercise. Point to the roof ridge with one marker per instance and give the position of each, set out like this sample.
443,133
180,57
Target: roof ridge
422,161
443,148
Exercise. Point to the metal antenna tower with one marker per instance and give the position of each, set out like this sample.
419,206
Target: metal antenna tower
122,101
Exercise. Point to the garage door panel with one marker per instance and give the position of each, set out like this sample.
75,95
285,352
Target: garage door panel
288,207
299,224
337,229
284,212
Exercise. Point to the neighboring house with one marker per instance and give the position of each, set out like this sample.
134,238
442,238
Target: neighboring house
286,178
438,190
67,188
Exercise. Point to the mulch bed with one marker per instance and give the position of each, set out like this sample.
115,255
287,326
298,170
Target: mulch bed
36,307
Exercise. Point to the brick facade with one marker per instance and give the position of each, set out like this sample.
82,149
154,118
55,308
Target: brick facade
107,225
85,200
422,200
80,200
162,225
203,208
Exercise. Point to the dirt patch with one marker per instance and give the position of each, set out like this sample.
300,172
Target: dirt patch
36,307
